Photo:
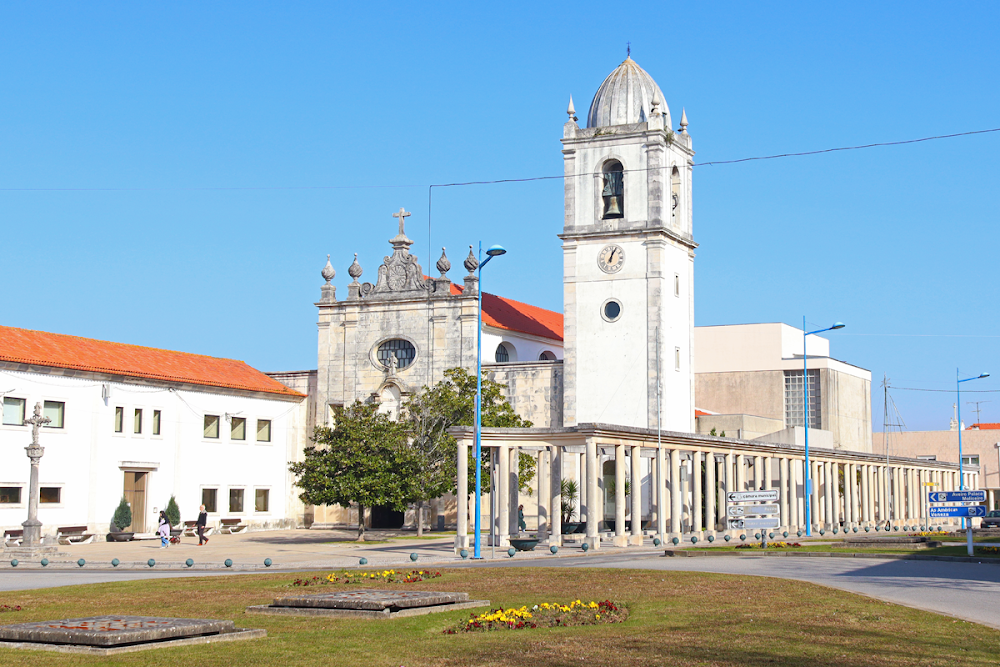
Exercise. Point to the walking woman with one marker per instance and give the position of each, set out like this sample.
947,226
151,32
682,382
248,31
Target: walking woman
163,530
201,523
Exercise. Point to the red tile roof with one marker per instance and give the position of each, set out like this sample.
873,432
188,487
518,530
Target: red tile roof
510,315
985,427
41,348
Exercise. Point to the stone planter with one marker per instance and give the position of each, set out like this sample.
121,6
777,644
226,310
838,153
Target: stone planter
120,537
524,544
574,527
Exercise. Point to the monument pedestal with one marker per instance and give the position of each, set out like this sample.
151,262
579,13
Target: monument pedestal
30,553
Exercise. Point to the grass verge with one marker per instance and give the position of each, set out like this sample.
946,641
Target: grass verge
674,619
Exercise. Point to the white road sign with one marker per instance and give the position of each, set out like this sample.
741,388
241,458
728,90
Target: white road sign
751,524
750,510
751,496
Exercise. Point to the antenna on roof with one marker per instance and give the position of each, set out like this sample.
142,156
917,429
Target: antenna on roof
628,49
979,418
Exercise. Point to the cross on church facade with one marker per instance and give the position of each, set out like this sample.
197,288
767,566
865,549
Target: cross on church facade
402,215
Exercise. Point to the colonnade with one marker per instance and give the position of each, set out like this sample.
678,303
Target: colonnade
683,482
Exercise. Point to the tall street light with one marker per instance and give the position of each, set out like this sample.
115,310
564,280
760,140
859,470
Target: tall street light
494,251
805,413
958,393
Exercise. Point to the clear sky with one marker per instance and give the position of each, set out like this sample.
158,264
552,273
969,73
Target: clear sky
174,174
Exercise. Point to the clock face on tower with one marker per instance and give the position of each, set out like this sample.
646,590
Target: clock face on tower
611,259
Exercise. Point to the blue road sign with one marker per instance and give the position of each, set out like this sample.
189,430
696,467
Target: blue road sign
957,497
972,510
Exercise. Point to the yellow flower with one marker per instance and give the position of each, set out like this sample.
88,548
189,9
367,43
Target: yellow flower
597,616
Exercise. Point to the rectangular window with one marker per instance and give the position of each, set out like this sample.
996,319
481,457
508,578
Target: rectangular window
970,460
119,419
137,421
239,429
156,422
211,426
50,494
793,399
13,411
677,358
260,500
54,410
677,284
236,500
209,498
263,430
928,457
10,495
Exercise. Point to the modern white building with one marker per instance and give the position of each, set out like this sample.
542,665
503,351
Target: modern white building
146,424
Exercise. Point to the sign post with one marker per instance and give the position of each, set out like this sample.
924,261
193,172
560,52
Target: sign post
743,514
966,511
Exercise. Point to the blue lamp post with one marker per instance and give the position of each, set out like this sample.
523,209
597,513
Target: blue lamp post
958,395
805,413
494,251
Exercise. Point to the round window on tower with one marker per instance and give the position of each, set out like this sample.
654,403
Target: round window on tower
611,310
402,349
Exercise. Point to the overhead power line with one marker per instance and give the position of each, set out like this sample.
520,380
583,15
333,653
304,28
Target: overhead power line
496,181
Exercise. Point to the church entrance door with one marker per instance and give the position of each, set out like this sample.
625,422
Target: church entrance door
386,517
135,496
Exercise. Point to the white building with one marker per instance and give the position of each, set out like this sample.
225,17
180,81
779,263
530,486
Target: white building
147,424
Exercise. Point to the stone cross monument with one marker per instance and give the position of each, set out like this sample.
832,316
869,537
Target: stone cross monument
33,527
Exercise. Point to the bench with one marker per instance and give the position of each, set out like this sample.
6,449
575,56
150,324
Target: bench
191,529
74,535
13,537
231,526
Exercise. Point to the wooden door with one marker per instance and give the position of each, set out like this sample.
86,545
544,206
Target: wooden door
135,496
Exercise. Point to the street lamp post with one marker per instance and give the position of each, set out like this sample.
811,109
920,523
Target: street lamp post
494,251
805,414
958,396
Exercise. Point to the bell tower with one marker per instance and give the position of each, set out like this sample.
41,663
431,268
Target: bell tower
628,258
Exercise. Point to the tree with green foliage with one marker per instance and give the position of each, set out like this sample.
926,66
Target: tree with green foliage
122,518
452,402
364,458
173,512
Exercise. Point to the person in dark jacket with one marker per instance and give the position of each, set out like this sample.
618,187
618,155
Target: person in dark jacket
202,522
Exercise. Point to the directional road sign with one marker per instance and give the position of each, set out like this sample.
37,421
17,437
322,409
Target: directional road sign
750,510
974,510
957,497
751,496
750,524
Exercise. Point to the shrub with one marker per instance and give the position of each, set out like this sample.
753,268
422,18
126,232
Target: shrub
123,515
173,512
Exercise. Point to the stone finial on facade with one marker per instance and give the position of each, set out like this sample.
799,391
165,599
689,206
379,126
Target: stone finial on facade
571,110
655,104
443,265
328,271
355,271
471,263
684,121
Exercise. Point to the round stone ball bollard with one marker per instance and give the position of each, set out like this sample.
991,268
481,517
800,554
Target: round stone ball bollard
585,546
414,557
878,528
822,531
785,534
727,538
511,552
81,562
228,562
45,562
189,562
867,528
554,549
694,539
675,541
115,562
743,537
656,541
895,527
711,538
835,529
855,529
14,562
770,536
364,561
464,553
267,562
756,536
799,533
151,562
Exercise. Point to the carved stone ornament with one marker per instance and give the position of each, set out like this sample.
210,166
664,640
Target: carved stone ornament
471,263
443,265
400,271
354,271
328,271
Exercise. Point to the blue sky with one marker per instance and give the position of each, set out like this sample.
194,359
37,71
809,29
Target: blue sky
174,174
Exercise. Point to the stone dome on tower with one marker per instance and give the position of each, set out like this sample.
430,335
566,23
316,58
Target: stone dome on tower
626,96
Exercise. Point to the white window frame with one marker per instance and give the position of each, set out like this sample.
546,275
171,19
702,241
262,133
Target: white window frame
24,496
262,488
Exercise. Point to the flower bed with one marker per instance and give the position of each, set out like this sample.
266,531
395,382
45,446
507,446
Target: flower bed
770,545
383,576
927,533
988,550
7,607
544,615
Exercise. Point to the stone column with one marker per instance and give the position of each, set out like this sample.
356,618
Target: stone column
849,477
661,495
865,492
696,492
675,492
711,492
594,511
741,473
462,497
514,488
636,537
990,499
730,481
768,461
835,513
793,494
503,494
620,539
758,473
813,498
555,494
783,491
544,511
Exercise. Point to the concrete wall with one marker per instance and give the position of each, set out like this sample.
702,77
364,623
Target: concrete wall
742,426
760,393
846,409
944,446
534,390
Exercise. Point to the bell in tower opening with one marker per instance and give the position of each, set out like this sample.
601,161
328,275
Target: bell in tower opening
614,189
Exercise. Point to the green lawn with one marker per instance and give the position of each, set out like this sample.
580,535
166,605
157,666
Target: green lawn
675,619
957,550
